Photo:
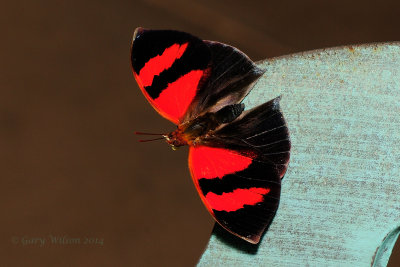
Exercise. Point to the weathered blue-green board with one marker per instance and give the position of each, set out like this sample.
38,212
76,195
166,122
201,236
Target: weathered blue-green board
340,203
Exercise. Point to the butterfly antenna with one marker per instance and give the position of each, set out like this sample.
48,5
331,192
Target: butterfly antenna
148,140
142,133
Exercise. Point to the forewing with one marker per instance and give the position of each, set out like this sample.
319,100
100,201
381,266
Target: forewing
238,190
238,171
184,77
169,67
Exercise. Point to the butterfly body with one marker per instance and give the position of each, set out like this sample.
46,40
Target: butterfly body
237,157
198,130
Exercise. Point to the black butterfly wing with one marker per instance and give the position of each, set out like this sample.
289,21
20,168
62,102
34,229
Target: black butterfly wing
238,170
183,76
170,68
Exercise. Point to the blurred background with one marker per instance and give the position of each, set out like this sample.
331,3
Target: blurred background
70,165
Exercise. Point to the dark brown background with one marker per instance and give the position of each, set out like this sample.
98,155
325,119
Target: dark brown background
69,162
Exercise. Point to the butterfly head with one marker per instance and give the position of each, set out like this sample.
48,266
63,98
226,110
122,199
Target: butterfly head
175,139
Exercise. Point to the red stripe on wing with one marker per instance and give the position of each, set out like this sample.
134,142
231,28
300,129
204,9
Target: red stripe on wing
210,162
176,98
157,64
235,200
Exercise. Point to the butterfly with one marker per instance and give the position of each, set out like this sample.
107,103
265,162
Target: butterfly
237,157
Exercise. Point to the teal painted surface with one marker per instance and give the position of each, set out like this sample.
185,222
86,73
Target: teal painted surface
340,203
